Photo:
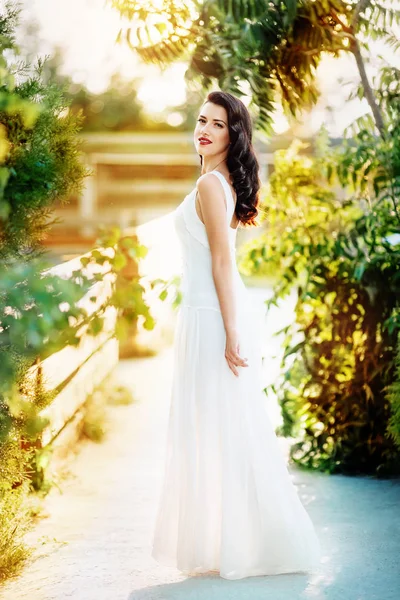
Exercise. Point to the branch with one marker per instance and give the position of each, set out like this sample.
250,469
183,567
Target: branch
361,6
368,91
355,49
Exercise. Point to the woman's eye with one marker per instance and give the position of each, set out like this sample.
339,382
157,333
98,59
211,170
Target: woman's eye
201,120
219,124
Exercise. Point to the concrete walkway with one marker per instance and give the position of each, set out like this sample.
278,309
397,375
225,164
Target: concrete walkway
95,543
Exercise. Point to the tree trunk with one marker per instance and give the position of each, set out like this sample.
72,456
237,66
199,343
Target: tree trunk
368,91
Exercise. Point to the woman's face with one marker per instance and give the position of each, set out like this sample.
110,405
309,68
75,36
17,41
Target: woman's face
211,134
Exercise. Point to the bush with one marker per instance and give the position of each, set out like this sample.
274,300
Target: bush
339,354
393,396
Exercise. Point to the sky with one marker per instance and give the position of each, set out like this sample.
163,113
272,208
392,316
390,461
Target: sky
86,31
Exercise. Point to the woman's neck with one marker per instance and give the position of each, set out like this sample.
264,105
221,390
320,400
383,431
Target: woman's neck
211,164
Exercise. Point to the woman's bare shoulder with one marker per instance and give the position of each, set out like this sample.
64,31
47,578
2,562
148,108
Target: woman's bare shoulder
207,181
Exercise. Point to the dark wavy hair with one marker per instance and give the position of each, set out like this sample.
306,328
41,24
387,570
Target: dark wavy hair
241,160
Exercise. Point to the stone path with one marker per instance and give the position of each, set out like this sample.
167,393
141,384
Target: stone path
95,543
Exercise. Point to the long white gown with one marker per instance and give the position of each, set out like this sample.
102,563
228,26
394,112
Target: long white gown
227,501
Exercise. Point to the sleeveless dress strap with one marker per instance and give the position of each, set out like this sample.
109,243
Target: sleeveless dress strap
230,203
192,221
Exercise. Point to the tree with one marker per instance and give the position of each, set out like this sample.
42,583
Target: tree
271,48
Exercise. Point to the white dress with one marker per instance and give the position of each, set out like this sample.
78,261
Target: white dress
227,502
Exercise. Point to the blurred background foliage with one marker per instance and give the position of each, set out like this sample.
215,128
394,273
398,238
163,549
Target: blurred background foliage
118,107
115,109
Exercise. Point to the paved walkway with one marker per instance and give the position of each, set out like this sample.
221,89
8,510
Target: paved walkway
95,542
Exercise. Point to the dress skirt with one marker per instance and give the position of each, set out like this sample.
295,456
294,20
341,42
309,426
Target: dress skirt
227,501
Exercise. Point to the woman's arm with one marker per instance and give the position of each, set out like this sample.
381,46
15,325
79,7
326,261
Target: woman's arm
213,211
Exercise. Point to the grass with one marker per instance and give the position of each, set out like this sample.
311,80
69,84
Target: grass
15,520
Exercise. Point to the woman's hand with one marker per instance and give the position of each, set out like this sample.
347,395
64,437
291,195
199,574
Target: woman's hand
232,355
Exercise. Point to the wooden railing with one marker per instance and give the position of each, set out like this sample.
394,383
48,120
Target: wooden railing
75,371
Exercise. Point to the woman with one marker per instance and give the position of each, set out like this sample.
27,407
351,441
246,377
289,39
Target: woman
227,503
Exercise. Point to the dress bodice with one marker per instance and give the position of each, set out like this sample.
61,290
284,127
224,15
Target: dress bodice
193,223
198,286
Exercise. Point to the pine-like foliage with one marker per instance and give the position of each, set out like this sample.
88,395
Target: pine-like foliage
39,149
